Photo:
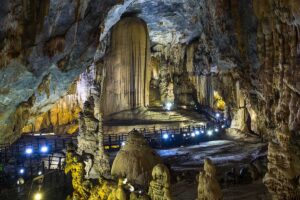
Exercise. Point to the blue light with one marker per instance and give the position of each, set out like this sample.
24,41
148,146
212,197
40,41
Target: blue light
44,149
202,131
29,151
218,115
223,126
209,132
22,171
193,134
197,132
165,136
216,130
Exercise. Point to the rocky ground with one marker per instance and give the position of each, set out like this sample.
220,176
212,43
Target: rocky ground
226,154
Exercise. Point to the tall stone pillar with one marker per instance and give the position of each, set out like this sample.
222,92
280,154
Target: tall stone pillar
128,76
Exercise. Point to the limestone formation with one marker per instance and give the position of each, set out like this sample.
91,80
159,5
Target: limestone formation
76,167
109,190
135,160
159,188
165,85
88,129
208,186
90,141
127,78
283,168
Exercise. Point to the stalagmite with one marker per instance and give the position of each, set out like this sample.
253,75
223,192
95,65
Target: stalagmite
159,188
89,143
208,186
130,161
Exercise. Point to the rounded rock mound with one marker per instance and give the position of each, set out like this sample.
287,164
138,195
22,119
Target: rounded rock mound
135,160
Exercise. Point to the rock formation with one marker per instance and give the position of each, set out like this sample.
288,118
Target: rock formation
159,188
208,186
127,79
130,161
46,43
90,141
76,167
283,167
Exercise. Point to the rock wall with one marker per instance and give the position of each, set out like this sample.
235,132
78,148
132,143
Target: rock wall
43,43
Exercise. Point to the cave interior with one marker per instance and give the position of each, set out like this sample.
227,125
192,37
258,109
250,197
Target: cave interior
150,99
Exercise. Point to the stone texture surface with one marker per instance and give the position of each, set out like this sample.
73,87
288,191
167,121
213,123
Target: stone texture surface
208,186
45,45
130,161
127,79
159,188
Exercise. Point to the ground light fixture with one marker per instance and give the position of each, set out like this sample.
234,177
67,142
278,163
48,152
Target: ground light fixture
165,136
193,134
38,196
197,132
44,149
22,171
216,130
209,132
168,106
28,150
218,115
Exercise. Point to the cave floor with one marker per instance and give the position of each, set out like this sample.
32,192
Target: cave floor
226,154
125,121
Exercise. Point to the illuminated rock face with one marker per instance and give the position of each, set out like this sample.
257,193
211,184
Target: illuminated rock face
135,160
43,43
127,81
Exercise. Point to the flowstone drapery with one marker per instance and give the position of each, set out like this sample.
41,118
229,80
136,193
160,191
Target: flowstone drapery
208,186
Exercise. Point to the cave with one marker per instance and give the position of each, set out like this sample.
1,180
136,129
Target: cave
150,99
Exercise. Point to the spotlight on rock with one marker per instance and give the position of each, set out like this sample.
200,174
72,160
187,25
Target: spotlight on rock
209,132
